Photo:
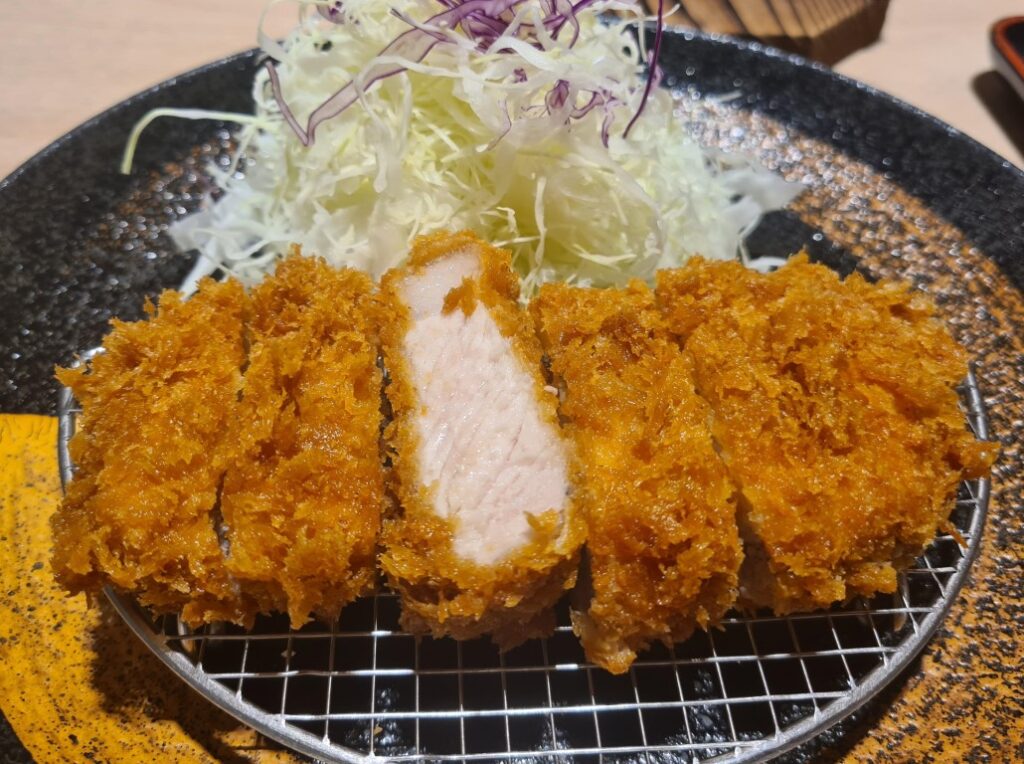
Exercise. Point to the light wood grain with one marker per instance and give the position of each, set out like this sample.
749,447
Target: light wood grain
65,60
935,55
825,30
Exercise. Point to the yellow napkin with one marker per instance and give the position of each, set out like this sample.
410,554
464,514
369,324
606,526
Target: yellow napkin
73,679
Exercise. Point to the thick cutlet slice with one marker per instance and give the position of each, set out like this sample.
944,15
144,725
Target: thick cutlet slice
139,513
485,539
662,543
835,406
302,502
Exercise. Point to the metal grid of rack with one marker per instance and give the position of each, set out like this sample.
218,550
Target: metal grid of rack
361,689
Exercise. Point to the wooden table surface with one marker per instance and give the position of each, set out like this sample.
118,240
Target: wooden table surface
64,61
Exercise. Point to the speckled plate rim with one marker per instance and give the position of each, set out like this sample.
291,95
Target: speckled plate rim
871,91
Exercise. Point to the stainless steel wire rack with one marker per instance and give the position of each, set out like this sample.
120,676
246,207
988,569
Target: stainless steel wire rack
362,690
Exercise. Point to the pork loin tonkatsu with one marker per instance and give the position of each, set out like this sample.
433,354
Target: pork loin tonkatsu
485,539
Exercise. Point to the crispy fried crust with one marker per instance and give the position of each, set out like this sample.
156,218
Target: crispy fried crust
441,593
835,405
662,543
155,408
302,502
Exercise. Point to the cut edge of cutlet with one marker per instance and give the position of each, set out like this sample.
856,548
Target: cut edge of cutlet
442,594
702,294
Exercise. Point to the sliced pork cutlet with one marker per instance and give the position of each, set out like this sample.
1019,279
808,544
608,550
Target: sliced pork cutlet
156,405
663,549
835,405
302,502
484,539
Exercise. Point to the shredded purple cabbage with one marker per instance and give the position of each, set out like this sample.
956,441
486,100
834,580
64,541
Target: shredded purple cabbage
333,12
557,96
654,72
484,22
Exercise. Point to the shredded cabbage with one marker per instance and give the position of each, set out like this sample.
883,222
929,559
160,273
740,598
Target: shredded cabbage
500,141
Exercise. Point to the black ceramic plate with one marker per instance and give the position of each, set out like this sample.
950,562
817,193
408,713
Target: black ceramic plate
892,192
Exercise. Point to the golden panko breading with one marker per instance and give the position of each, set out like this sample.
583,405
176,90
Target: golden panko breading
302,499
835,406
155,409
443,592
663,548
